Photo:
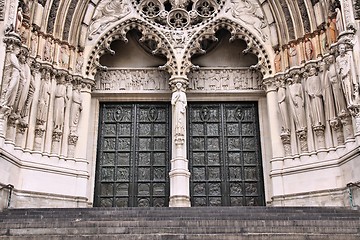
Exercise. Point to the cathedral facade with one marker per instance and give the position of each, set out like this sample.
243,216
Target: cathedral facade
150,103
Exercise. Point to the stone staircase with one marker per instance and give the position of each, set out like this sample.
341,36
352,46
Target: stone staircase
215,223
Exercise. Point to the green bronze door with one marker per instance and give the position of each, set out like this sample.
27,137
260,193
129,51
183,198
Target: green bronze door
224,155
133,155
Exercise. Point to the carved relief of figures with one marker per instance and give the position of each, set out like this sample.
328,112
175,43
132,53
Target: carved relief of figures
309,49
277,61
107,12
12,73
297,102
314,90
250,13
179,102
59,105
345,69
76,108
44,97
332,75
293,55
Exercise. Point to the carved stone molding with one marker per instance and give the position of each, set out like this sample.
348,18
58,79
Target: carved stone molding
320,136
302,135
286,140
338,128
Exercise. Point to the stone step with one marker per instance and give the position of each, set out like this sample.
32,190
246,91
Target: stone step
262,236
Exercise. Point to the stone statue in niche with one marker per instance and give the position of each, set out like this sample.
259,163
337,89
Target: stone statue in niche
48,49
19,20
34,43
25,91
293,55
250,13
277,61
12,72
327,93
323,41
79,63
76,108
179,102
332,32
309,49
332,75
281,95
297,102
314,90
44,97
345,69
64,56
59,105
106,13
339,20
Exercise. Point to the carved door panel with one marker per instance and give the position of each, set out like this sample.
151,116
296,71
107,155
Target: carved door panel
224,155
133,153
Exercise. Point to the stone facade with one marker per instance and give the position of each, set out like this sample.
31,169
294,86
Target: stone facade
299,63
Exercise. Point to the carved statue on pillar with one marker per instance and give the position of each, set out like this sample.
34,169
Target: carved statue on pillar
327,93
314,90
25,91
76,108
11,81
44,97
59,105
179,102
297,105
345,69
309,49
19,19
79,63
285,129
34,44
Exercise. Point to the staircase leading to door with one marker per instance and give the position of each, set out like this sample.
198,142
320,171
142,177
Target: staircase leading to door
201,223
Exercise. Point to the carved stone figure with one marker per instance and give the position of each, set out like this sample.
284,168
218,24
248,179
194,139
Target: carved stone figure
44,96
79,63
332,75
34,44
59,105
339,21
107,12
179,102
281,95
19,19
327,93
12,77
25,91
345,69
314,90
76,108
297,102
309,49
331,31
64,56
277,61
323,42
250,13
293,56
48,48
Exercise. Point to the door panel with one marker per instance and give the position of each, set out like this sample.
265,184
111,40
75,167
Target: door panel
133,152
224,155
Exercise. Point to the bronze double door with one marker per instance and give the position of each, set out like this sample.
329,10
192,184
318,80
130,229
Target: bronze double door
134,152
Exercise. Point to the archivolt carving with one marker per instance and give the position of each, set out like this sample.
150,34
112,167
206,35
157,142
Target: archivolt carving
119,32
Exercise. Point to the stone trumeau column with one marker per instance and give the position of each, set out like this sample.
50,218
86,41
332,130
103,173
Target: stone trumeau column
179,173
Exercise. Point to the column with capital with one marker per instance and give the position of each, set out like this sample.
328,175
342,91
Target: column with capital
179,173
276,141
